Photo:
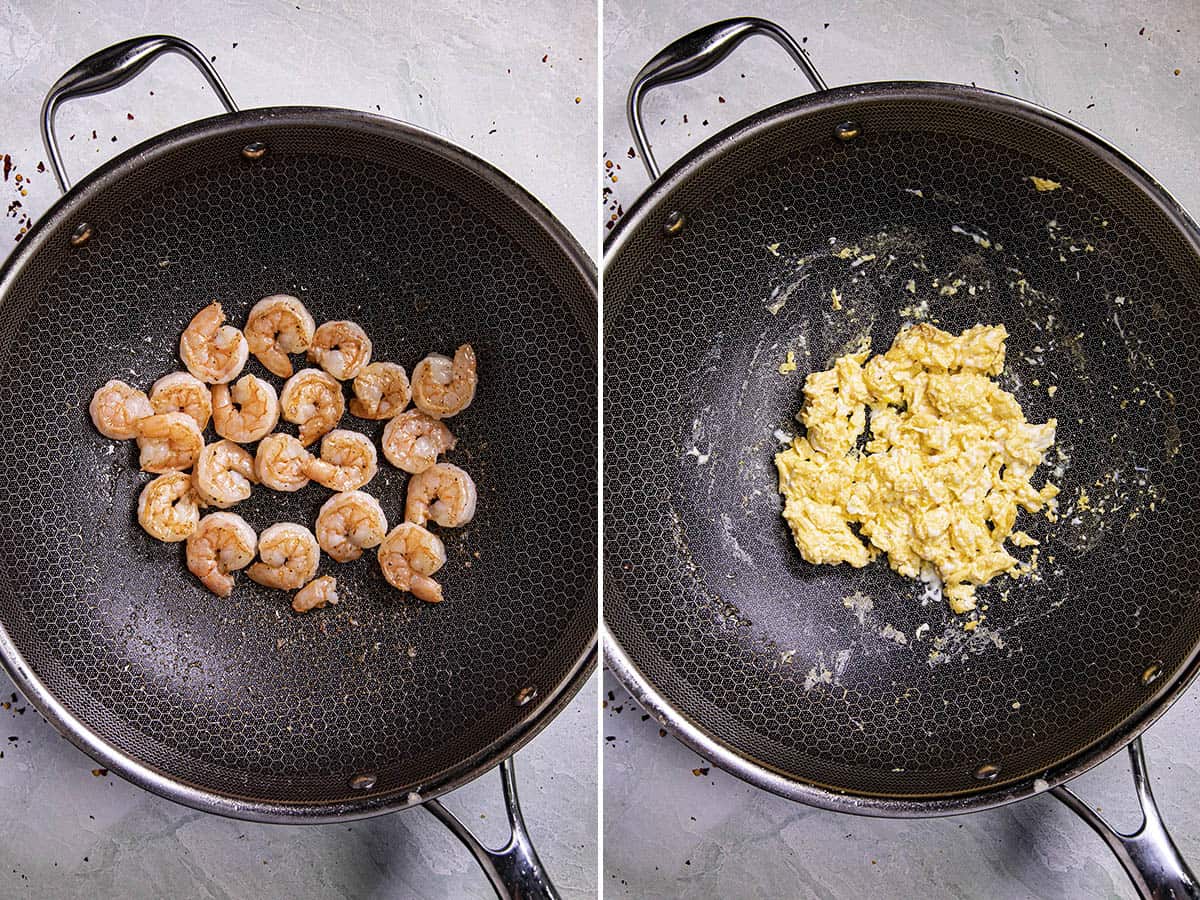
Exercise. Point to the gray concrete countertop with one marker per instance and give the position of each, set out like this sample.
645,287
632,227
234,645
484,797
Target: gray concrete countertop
473,73
670,831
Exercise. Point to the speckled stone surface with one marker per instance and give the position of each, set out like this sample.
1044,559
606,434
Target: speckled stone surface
669,832
472,72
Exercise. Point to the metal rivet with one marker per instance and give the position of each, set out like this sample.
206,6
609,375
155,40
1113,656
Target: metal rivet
81,234
987,772
674,223
1152,674
363,782
524,695
257,150
847,131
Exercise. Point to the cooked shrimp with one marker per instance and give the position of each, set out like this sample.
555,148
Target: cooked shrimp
340,348
313,400
281,463
408,556
443,387
455,493
181,392
116,408
380,391
316,594
347,461
247,411
168,442
288,556
349,523
213,351
221,544
224,474
279,325
168,507
413,440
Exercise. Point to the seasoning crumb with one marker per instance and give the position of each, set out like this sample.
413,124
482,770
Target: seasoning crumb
129,116
580,99
701,771
99,773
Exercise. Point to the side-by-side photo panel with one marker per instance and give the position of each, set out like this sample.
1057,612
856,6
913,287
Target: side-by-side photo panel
900,347
299,358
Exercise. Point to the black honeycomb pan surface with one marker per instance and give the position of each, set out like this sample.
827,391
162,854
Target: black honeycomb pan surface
240,696
705,591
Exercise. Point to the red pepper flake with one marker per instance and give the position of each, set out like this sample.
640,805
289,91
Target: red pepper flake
93,134
546,57
129,116
630,153
720,99
41,166
7,165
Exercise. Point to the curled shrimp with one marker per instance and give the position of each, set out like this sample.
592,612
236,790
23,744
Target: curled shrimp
224,474
444,493
168,442
116,409
221,544
443,387
412,441
341,348
181,392
213,351
246,412
381,391
347,461
169,508
288,555
316,594
313,400
281,463
279,325
408,556
348,523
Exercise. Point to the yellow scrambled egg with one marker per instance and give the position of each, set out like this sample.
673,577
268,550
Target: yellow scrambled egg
947,464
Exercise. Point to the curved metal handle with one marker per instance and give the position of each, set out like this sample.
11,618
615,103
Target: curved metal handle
1149,856
110,68
514,870
696,53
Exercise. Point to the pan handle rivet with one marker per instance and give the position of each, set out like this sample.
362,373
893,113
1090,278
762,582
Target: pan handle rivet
987,772
363,782
674,223
256,150
81,234
1152,674
847,131
524,695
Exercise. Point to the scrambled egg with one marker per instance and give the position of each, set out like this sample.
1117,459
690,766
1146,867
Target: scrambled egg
947,465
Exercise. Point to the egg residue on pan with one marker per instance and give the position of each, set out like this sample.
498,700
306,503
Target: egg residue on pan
947,465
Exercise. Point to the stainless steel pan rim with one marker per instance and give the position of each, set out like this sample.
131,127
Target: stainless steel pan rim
654,204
